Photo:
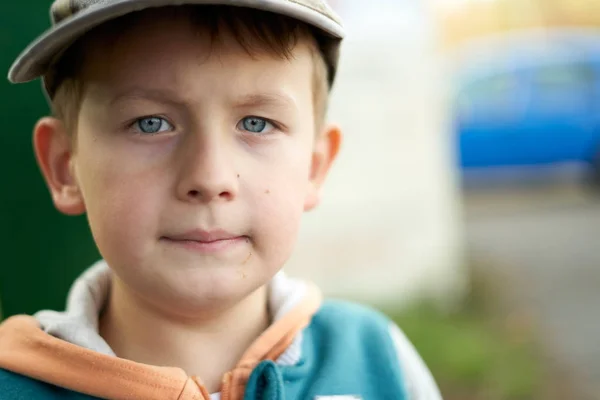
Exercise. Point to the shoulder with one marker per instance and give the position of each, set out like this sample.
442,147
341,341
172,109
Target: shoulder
19,387
360,331
334,312
354,322
355,331
347,348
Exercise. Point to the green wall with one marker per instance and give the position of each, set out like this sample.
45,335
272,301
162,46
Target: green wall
42,251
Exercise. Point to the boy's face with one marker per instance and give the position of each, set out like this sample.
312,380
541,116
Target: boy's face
193,162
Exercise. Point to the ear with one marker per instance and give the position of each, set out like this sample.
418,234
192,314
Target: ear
54,153
325,151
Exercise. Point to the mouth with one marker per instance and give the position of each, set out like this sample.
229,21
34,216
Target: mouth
208,242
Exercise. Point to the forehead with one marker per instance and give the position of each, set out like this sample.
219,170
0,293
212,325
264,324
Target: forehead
168,48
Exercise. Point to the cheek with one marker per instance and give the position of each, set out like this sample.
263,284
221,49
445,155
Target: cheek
279,204
120,204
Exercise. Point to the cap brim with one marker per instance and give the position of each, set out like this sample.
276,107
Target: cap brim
36,58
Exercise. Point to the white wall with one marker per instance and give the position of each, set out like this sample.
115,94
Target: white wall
388,227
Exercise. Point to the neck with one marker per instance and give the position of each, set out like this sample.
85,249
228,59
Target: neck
205,348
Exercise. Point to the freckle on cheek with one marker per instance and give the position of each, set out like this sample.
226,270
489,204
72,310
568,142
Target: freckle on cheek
267,191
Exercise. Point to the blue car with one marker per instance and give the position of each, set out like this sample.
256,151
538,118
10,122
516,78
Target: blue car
531,102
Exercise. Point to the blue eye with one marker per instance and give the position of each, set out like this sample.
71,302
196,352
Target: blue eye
152,125
256,125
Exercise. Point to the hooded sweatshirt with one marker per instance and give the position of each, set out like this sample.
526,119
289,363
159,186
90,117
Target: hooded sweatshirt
312,350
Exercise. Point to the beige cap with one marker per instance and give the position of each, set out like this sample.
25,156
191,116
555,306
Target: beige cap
73,18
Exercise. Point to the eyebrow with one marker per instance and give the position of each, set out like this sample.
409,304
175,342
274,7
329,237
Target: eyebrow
275,100
169,96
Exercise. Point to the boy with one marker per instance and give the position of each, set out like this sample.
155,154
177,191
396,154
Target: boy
192,135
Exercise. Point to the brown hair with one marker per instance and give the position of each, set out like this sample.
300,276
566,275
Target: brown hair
256,31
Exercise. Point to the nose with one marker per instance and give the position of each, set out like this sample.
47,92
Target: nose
206,170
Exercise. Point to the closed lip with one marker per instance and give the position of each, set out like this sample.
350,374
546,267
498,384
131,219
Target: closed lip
203,236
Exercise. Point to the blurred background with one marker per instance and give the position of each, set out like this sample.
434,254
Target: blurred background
465,203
